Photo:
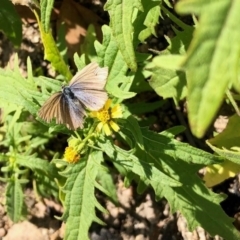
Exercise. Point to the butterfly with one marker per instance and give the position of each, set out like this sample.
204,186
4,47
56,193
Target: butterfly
85,91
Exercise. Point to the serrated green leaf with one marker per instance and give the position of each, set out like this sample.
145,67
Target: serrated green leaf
61,42
10,22
14,200
139,82
201,207
37,164
211,61
121,13
51,52
18,91
133,126
48,83
45,186
106,180
182,39
173,158
231,155
147,172
169,83
78,61
109,55
88,45
198,204
80,201
151,13
46,7
171,148
15,118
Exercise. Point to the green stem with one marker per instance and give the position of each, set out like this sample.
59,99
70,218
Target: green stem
90,134
233,102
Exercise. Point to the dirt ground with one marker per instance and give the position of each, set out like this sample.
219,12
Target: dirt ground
137,217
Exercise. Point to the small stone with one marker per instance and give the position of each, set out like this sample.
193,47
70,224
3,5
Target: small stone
140,237
2,232
24,230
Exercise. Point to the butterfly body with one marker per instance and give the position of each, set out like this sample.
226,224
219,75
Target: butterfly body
67,93
85,91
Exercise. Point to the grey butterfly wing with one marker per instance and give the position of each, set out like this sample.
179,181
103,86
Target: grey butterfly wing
51,109
76,113
88,86
65,110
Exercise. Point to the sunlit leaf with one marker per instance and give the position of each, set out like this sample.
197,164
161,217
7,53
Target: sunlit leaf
211,62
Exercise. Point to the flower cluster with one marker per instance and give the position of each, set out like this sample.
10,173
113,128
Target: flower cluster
70,155
106,116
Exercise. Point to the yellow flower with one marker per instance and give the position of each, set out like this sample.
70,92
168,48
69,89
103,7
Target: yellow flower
106,116
70,155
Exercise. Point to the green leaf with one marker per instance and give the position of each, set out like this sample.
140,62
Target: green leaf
169,83
227,143
121,14
133,126
51,52
14,118
198,204
151,13
10,23
139,82
232,155
46,7
109,55
80,201
211,61
229,137
47,84
142,107
18,91
182,39
172,132
169,159
61,42
166,80
105,178
88,45
172,62
201,207
177,159
80,63
14,200
147,172
29,69
45,186
37,165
